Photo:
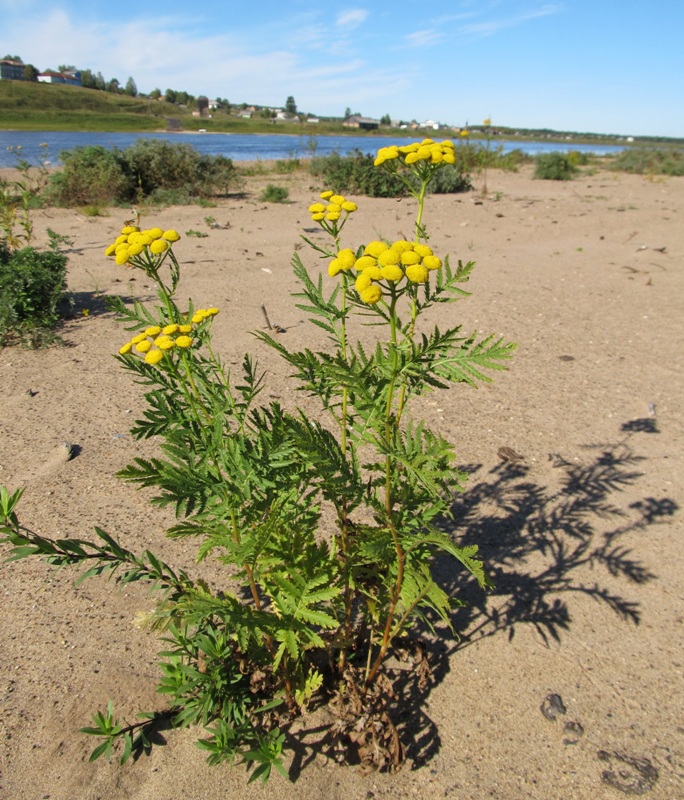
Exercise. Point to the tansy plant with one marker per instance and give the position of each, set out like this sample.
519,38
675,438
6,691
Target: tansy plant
327,525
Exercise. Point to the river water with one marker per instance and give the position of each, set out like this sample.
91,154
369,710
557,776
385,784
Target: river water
241,146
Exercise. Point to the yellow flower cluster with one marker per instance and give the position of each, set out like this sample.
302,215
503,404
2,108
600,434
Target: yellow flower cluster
385,263
427,151
335,208
134,243
154,341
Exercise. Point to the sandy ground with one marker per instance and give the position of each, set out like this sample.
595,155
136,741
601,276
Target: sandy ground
583,537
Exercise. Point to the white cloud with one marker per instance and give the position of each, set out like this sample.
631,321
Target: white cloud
494,26
424,38
352,18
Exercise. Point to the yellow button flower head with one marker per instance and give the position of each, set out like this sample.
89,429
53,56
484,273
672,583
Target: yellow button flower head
371,295
388,257
386,154
417,273
144,346
153,330
335,267
402,246
422,250
364,262
375,248
349,207
317,208
169,329
392,273
122,256
126,348
138,338
154,357
171,235
154,233
110,250
159,246
184,328
347,258
327,194
135,249
363,281
184,341
432,262
164,342
409,257
129,229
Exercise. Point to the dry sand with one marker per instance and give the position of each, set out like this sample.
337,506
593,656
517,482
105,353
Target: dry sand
583,537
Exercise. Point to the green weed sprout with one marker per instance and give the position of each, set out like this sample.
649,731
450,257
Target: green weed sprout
318,605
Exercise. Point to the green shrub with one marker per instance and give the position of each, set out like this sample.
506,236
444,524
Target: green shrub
151,168
650,161
169,197
274,194
286,166
32,282
357,174
554,167
156,164
450,180
91,175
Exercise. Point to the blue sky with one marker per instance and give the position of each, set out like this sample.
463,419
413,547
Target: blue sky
604,66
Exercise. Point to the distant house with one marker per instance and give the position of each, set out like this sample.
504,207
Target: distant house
364,123
70,78
284,116
11,70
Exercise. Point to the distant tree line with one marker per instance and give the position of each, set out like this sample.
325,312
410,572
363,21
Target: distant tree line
96,80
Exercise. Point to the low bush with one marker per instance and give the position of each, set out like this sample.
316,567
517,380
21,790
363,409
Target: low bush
147,170
357,174
91,175
157,164
274,194
286,166
32,282
450,180
555,167
650,161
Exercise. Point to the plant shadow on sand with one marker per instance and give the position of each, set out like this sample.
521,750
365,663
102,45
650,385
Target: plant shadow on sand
538,544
